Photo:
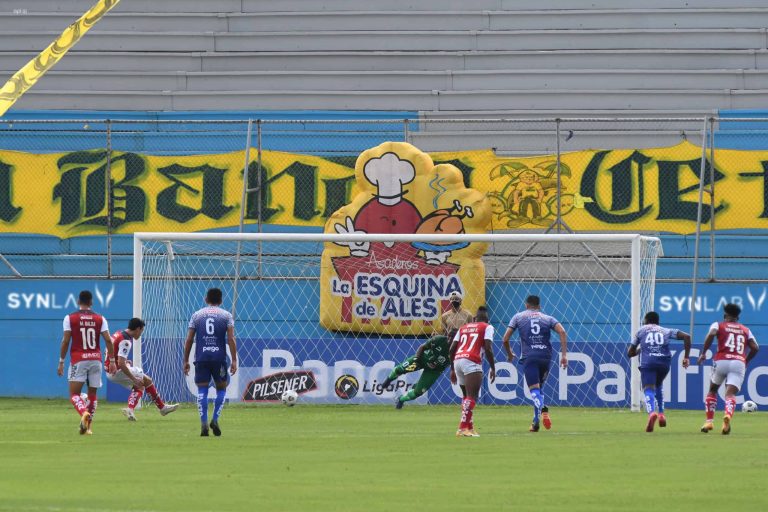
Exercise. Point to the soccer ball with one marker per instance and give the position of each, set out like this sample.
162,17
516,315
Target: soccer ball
748,406
289,398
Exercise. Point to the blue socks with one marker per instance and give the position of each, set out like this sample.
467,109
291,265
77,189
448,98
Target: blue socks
538,403
218,405
650,398
660,399
202,403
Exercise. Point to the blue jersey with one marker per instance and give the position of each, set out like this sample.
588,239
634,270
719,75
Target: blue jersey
535,332
653,341
210,325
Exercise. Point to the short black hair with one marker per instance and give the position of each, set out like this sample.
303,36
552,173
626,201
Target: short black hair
214,296
136,323
482,314
652,317
85,298
732,310
533,300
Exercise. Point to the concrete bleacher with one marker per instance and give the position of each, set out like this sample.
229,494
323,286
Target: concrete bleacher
440,59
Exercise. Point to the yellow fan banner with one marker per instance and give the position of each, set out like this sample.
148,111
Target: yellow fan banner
646,190
33,70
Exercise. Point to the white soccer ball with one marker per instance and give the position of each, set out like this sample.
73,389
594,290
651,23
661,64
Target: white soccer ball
289,397
749,406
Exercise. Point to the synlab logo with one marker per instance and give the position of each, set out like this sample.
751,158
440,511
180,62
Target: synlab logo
347,387
757,303
104,301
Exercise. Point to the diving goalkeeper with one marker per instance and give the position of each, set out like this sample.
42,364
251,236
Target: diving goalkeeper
432,357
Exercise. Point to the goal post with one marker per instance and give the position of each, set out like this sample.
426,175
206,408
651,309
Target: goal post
331,314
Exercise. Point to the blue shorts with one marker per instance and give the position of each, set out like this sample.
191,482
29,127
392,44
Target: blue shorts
536,370
207,370
653,375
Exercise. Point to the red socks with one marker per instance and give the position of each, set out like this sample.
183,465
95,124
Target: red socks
77,401
730,406
710,403
134,397
152,391
467,405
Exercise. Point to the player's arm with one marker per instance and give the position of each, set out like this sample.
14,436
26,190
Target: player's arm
488,347
63,352
632,351
563,344
111,368
686,347
188,348
232,348
707,343
507,347
753,348
452,354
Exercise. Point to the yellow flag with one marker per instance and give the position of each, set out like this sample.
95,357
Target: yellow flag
28,76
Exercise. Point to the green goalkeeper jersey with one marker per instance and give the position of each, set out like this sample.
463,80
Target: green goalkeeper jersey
435,355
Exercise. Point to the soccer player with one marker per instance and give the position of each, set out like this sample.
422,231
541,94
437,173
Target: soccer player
133,377
83,328
454,318
655,360
467,355
432,357
730,364
212,329
536,353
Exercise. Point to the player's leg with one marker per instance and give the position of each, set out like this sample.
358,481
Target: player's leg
93,370
203,377
76,380
428,377
543,374
710,401
149,386
733,382
648,378
407,366
473,379
532,375
459,368
221,379
661,374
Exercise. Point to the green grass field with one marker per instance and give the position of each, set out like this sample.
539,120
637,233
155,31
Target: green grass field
370,458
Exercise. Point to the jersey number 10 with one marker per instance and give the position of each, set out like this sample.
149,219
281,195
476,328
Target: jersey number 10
89,338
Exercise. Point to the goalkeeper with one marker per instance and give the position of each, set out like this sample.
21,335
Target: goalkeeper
432,357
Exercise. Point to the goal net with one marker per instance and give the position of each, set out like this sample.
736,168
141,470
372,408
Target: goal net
330,315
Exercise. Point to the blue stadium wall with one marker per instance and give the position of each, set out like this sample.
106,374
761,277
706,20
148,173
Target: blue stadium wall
32,310
32,313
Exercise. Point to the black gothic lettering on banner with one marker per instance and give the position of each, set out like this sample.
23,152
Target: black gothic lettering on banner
88,206
8,212
621,188
764,175
671,207
212,204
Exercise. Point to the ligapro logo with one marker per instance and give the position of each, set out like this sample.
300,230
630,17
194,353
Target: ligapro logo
52,300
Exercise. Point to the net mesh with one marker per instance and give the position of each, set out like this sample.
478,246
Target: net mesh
333,327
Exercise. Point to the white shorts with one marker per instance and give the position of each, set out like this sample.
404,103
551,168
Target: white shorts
86,371
730,371
465,367
121,378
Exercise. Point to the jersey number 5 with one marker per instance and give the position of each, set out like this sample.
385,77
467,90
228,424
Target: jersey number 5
463,340
89,337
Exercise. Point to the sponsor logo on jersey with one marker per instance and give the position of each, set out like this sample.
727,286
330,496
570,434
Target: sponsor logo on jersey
271,387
